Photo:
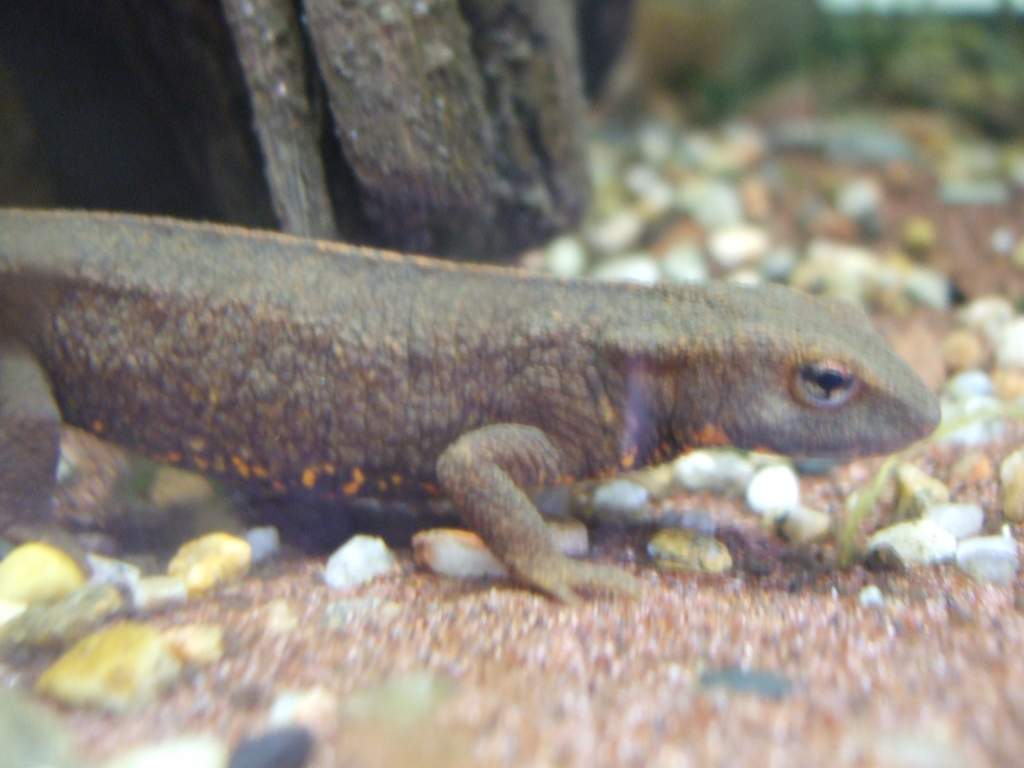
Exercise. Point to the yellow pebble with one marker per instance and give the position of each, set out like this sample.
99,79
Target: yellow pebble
37,572
117,668
963,349
919,235
211,560
1011,478
683,550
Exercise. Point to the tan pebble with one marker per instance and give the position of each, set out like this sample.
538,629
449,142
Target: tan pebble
973,467
683,550
657,480
117,668
280,617
835,226
37,572
1008,383
756,198
154,592
196,644
211,560
1018,256
899,176
173,487
457,553
801,525
58,624
918,236
916,490
963,350
1011,477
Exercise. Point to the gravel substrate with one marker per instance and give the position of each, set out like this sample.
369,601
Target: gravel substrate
748,644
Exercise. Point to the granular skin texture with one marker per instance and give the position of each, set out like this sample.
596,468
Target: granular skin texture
298,366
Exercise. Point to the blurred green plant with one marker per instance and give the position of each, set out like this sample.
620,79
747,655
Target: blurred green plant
716,54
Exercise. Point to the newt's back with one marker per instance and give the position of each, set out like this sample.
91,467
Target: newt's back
274,359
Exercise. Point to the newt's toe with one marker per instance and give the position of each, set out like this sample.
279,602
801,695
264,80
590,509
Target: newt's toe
564,579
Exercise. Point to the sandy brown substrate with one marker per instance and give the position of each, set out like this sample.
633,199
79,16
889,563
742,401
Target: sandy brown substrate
935,673
934,677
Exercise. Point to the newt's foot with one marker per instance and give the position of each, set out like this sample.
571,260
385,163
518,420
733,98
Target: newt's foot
564,579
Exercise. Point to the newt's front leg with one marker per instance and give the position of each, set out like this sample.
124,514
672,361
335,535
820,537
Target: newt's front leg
483,473
29,439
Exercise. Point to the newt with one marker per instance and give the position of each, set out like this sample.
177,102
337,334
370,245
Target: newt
296,365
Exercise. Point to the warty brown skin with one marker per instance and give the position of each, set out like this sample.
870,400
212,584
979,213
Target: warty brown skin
308,366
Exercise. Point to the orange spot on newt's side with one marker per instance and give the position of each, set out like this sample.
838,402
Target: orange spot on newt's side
351,488
98,426
629,459
261,472
709,434
240,466
309,477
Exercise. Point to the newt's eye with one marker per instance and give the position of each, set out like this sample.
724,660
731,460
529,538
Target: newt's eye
825,383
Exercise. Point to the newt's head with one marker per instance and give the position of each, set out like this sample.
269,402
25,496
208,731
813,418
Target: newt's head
773,369
808,376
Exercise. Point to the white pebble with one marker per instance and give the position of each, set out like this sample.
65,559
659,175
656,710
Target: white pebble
617,232
192,751
656,141
359,560
1002,240
928,287
715,471
773,489
656,194
565,257
1010,350
962,520
265,542
987,316
106,570
970,383
456,553
984,421
860,199
871,597
736,246
915,542
779,263
638,268
989,558
152,592
684,264
712,203
315,708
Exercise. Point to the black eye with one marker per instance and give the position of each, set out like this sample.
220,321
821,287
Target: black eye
825,384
